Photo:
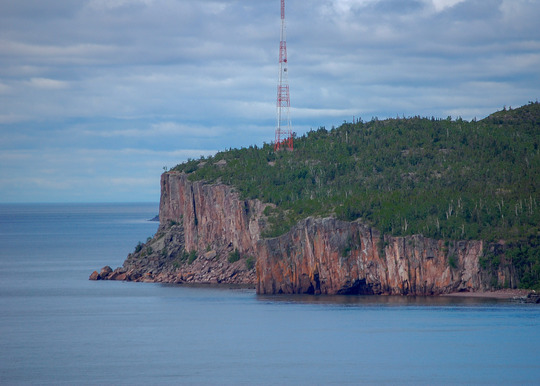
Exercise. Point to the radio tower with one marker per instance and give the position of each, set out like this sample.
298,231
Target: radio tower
284,138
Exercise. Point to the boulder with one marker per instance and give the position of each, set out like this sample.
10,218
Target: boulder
105,272
210,255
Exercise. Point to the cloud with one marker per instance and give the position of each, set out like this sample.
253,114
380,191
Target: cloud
112,4
60,174
82,81
50,84
39,56
4,88
441,5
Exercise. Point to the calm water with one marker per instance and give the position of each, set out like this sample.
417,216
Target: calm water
57,327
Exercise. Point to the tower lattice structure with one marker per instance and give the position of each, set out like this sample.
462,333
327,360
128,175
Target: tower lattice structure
284,138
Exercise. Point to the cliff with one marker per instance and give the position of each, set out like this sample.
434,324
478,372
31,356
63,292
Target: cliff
329,256
207,234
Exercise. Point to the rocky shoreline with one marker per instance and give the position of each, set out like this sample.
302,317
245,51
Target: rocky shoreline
122,274
197,274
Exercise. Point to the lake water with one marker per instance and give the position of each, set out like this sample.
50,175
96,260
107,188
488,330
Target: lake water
57,327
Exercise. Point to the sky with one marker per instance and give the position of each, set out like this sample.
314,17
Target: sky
97,97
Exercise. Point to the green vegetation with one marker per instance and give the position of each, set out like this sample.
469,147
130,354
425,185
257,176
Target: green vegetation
185,257
250,263
192,256
525,257
443,178
452,261
234,256
138,247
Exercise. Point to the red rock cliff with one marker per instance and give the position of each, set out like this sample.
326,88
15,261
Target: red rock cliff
208,234
329,256
212,215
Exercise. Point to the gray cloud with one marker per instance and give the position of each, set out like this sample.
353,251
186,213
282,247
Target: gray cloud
162,75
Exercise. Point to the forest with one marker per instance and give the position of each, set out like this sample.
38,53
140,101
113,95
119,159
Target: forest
448,179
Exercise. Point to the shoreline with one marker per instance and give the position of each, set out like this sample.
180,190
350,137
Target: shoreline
498,294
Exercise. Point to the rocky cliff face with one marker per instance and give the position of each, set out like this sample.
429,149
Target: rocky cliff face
207,234
329,256
212,216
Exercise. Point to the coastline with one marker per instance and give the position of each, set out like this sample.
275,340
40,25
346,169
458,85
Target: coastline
498,294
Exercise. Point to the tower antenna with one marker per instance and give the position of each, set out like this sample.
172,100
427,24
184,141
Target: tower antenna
284,139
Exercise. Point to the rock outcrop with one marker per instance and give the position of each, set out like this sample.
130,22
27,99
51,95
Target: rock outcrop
207,234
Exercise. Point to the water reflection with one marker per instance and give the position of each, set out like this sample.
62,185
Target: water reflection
382,300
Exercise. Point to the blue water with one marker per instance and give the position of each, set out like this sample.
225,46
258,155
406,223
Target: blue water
57,327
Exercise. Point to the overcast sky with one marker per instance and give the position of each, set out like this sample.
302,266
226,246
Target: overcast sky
97,96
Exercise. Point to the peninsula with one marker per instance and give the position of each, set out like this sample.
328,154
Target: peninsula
408,206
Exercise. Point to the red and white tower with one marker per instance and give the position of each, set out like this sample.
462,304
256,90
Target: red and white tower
284,139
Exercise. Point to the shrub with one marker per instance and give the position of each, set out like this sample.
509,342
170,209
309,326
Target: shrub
192,256
452,261
234,256
138,247
250,263
184,256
